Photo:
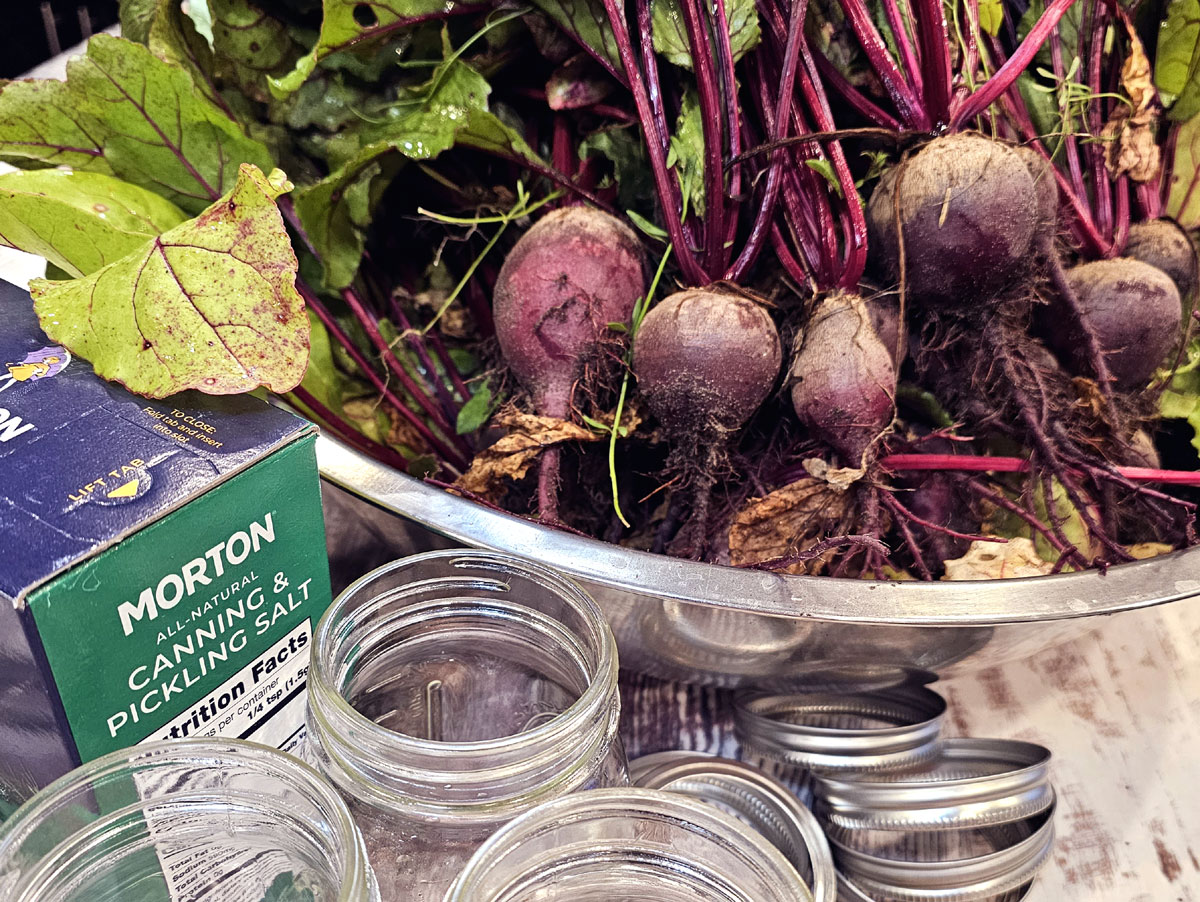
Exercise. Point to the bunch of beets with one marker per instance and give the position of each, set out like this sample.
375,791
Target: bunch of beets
882,317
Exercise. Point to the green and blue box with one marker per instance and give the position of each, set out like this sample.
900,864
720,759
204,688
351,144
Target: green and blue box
162,563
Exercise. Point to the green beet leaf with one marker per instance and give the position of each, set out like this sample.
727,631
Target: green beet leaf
136,16
478,409
991,16
1181,400
251,46
587,20
346,22
210,304
686,154
79,221
1177,62
41,124
450,108
125,111
161,133
1183,186
173,38
624,150
1068,30
671,37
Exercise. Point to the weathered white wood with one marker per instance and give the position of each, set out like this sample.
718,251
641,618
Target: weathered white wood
1120,709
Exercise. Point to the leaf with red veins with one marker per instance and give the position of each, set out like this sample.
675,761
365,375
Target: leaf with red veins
41,124
210,304
124,111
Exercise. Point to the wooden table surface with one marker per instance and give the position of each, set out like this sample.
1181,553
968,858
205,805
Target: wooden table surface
1120,710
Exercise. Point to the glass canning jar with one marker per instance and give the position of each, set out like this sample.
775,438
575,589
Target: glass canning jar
193,820
451,692
628,845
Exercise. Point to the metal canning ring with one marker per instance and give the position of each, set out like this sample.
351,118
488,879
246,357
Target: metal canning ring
969,783
848,892
962,880
885,730
763,803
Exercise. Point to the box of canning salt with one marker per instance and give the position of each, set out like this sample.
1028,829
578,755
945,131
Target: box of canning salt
162,563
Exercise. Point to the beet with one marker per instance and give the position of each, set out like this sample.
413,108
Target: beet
1163,243
968,213
705,361
842,379
884,311
1135,312
575,271
1045,189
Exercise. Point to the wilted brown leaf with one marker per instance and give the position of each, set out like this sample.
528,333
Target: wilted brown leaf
1131,148
1089,396
528,435
788,521
1143,550
837,478
992,560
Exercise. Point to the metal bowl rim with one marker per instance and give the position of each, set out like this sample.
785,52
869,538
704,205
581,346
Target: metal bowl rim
1063,596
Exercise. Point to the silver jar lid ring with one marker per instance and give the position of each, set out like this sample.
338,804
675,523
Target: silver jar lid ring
762,802
969,783
963,880
884,730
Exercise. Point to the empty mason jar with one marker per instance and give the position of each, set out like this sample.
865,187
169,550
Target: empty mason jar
451,692
193,820
628,845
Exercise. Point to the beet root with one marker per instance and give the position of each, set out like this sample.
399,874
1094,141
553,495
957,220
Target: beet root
704,362
571,274
1164,244
1135,312
843,383
574,272
968,215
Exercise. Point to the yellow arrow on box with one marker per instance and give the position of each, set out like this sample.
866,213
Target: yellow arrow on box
128,490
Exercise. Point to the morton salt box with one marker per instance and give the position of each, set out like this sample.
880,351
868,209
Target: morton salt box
162,563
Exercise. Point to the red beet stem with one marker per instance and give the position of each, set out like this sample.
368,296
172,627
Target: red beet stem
987,464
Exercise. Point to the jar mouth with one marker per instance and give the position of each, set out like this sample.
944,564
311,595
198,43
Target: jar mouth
332,642
667,811
334,833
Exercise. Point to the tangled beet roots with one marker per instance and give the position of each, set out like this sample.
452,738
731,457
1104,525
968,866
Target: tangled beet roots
967,214
570,275
1134,311
1018,389
704,362
843,382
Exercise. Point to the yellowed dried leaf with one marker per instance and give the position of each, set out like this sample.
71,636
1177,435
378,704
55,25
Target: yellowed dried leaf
1129,134
1144,550
837,478
1137,76
993,560
788,521
528,435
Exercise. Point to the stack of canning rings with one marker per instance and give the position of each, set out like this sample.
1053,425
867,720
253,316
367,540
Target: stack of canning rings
910,816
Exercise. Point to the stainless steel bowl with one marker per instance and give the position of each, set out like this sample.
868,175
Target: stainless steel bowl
725,626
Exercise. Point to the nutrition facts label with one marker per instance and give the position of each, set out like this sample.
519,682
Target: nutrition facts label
262,702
